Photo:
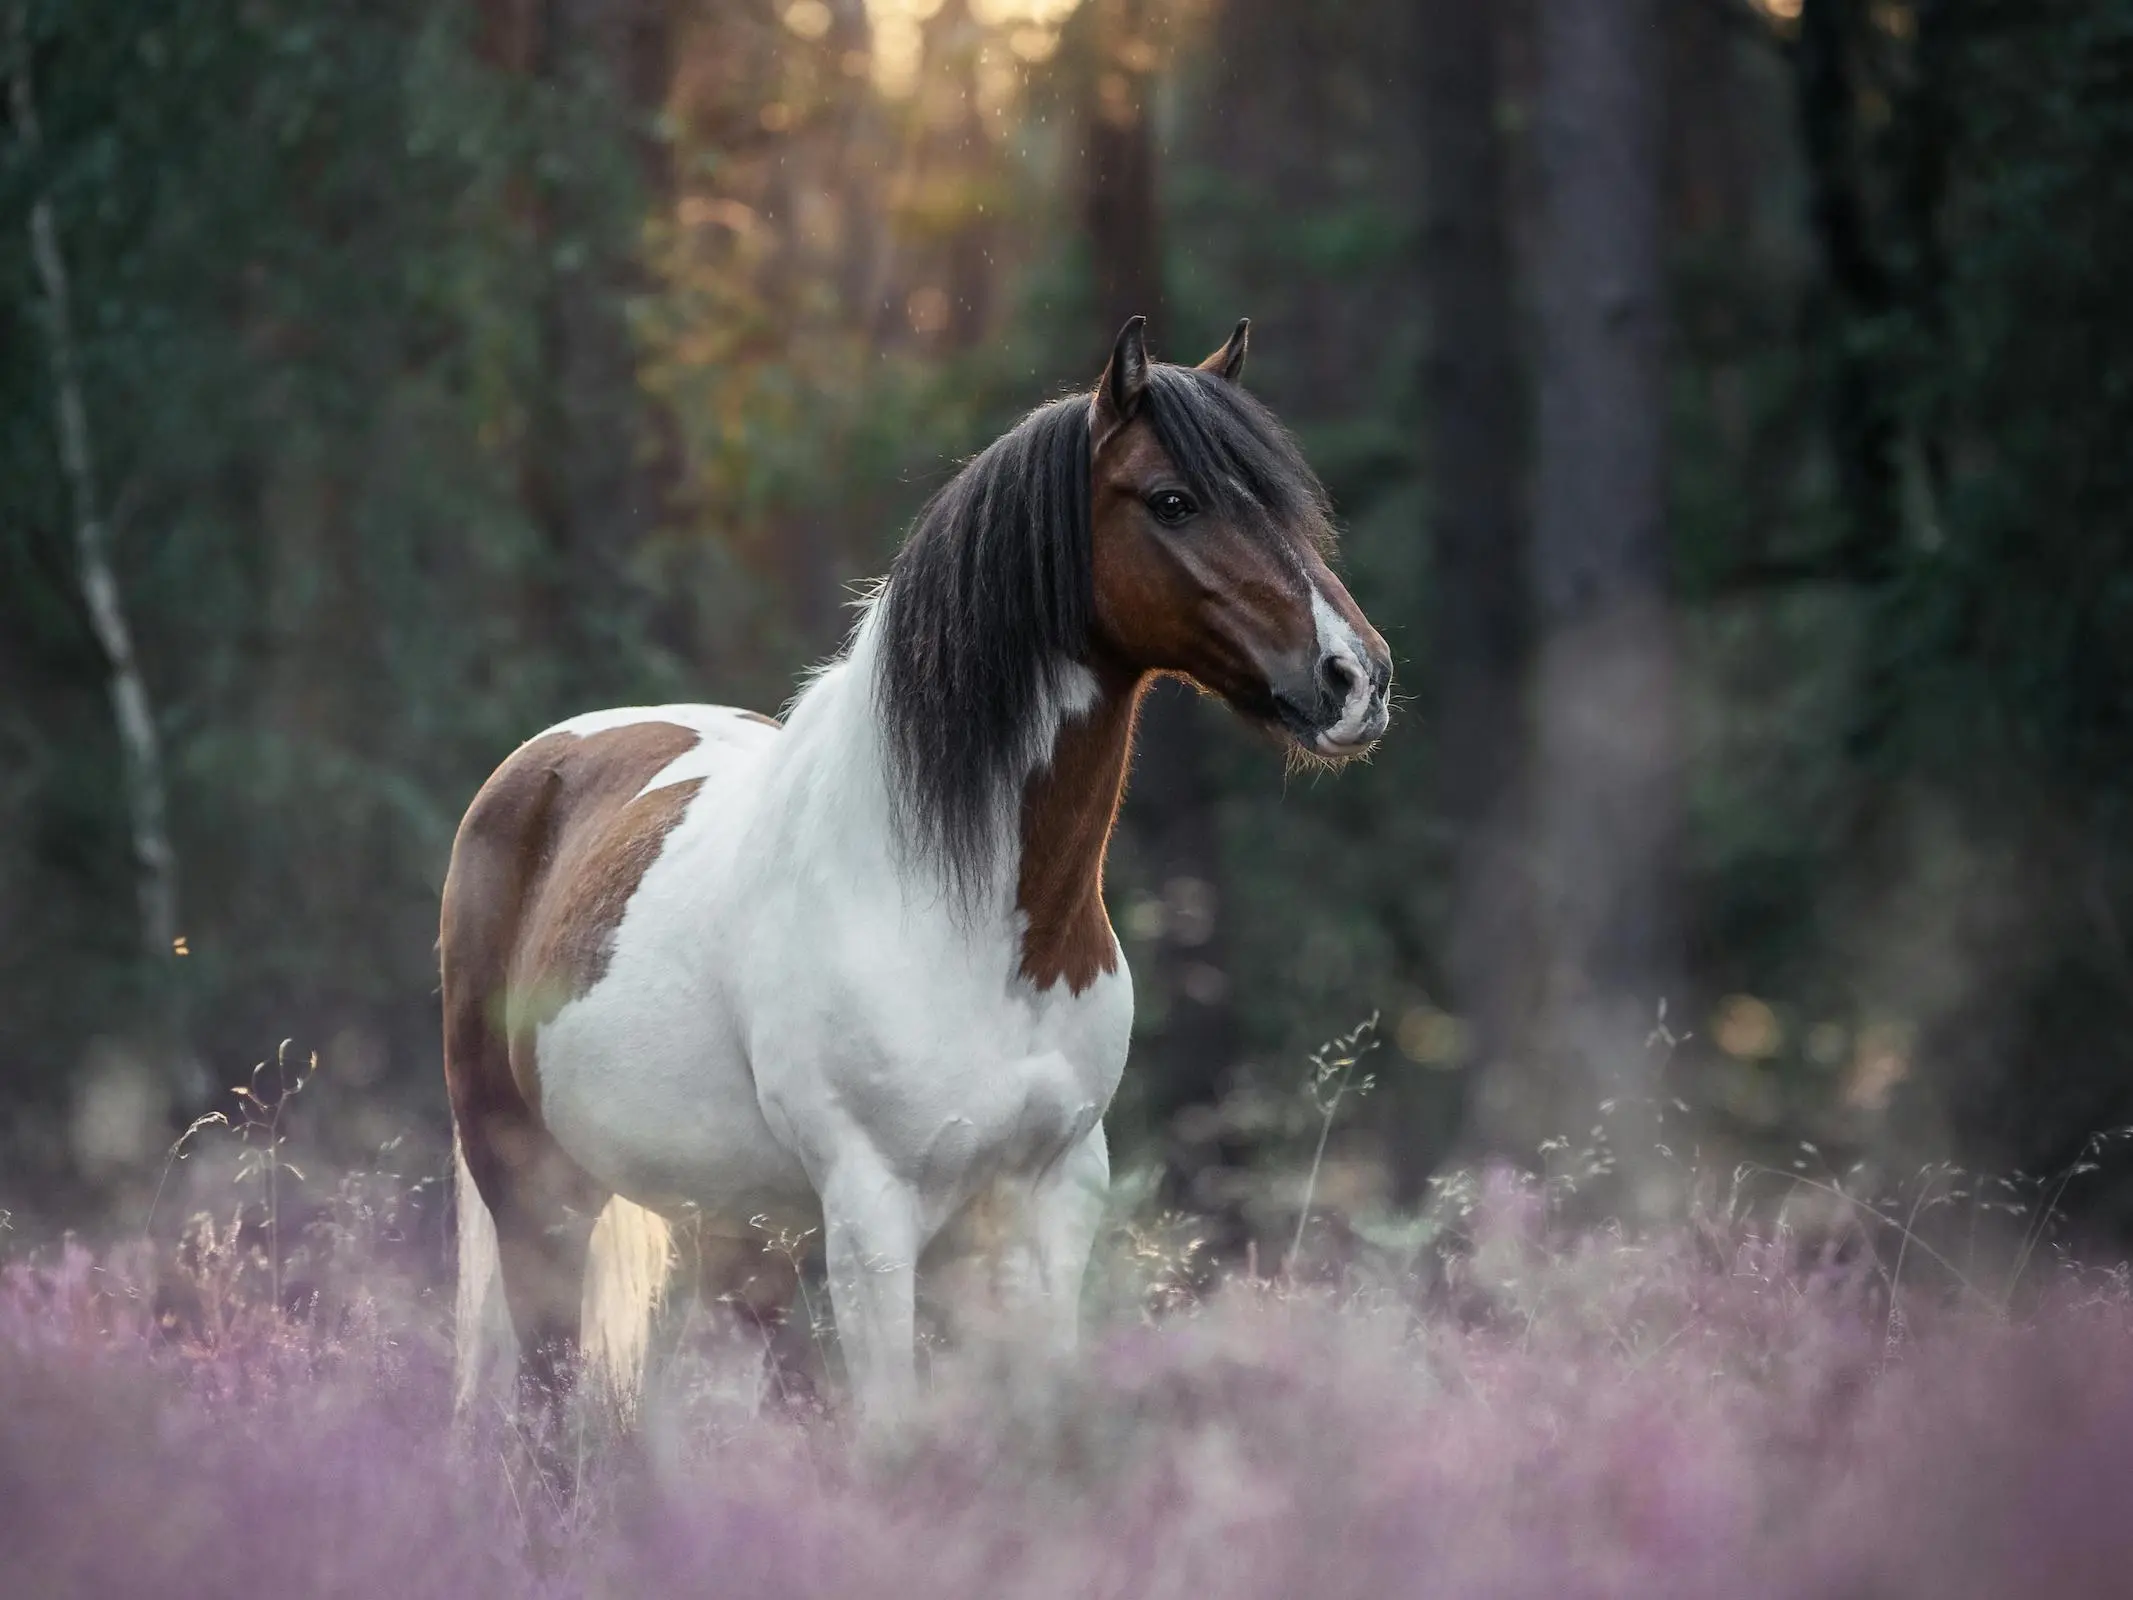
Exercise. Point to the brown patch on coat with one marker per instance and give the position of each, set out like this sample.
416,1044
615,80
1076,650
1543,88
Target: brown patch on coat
757,716
543,865
1068,809
560,806
570,938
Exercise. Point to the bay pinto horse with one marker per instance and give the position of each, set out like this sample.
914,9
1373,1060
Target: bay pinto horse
855,972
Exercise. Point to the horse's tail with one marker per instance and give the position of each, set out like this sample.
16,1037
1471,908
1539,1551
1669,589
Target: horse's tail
625,1283
626,1276
485,1353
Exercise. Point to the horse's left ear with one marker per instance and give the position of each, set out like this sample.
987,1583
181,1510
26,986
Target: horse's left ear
1228,362
1125,377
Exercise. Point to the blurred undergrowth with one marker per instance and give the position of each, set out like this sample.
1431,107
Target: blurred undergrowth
1734,1400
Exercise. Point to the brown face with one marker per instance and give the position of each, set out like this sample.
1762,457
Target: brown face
1250,612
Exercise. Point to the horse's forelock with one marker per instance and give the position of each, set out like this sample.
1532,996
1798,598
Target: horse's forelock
1235,455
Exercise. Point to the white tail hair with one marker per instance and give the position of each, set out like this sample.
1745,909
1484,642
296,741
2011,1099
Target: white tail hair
631,1259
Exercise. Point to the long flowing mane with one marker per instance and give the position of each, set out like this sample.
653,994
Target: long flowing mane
984,621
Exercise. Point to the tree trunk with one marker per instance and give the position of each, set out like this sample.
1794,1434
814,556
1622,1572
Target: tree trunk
1170,811
592,479
1862,411
1477,623
155,861
1119,201
1605,774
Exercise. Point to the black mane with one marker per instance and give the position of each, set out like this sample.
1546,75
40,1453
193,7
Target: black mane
989,603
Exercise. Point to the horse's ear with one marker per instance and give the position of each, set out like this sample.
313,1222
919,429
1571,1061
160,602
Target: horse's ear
1228,362
1125,377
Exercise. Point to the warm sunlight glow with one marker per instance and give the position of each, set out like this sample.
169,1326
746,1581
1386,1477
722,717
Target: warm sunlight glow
899,43
1032,25
1047,14
1881,1062
1747,1029
1031,28
810,19
999,80
1432,1038
1033,44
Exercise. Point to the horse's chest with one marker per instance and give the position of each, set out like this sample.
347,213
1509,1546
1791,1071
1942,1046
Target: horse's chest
937,1055
1016,1096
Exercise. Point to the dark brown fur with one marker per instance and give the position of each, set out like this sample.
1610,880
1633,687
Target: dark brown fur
1068,810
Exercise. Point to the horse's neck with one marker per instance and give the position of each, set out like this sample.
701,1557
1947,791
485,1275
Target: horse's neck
1069,804
1055,817
830,784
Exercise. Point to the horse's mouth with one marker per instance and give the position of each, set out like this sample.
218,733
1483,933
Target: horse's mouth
1322,742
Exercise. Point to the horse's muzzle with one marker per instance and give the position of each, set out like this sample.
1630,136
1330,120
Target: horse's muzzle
1341,707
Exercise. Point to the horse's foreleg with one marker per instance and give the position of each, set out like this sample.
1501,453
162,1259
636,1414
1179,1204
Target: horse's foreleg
871,1240
1064,1215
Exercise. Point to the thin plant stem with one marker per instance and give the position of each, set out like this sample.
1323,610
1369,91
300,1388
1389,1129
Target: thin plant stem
1318,1156
1332,1072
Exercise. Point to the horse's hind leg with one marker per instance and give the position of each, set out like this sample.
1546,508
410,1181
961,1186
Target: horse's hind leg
544,1209
543,1206
542,1203
543,1237
749,1287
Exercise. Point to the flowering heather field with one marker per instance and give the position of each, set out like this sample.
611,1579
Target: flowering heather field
1716,1412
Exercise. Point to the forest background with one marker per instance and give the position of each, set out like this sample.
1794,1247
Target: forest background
1726,403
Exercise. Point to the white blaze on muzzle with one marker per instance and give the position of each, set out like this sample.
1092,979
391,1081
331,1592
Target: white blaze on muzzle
1343,654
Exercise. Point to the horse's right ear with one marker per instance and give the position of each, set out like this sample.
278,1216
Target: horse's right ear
1125,379
1228,362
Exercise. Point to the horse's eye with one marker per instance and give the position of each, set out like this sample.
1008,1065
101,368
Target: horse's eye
1171,506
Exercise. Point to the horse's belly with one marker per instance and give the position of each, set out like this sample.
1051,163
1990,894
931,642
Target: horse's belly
644,1079
652,1102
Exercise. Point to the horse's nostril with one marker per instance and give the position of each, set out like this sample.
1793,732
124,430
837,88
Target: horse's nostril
1341,676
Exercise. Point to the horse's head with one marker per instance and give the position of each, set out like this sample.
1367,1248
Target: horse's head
1209,537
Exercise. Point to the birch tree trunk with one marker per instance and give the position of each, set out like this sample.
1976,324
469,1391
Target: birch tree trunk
155,863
